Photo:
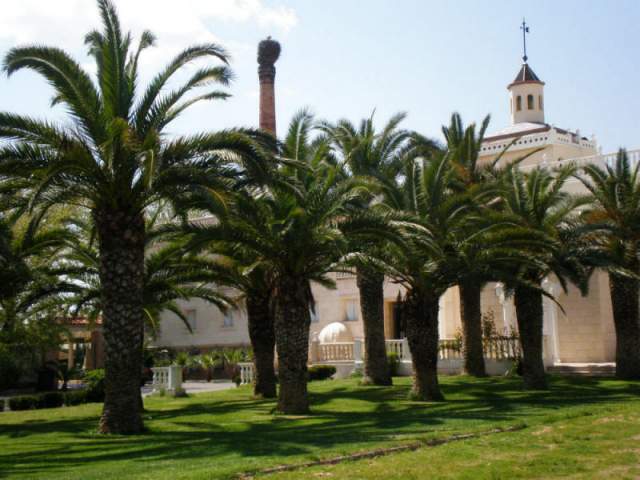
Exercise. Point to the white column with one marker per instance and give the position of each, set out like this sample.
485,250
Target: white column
175,377
550,320
508,310
406,353
358,353
314,350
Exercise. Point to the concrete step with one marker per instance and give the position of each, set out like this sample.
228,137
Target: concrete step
586,369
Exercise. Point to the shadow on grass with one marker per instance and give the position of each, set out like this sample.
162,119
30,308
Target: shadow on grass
229,428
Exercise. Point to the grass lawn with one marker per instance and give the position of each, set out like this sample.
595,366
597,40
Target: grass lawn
585,427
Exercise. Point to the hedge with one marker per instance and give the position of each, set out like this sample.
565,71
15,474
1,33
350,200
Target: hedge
321,372
75,397
48,400
24,402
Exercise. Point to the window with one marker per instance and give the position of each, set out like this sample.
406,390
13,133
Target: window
518,103
315,314
540,102
352,311
227,319
530,105
192,319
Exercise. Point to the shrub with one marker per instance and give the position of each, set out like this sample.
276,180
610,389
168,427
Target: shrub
94,380
393,360
321,372
23,402
75,397
515,369
50,400
1,404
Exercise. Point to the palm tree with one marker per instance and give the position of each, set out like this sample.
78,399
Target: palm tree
114,159
376,156
420,261
237,267
171,274
14,272
613,217
296,232
242,268
476,266
32,291
32,279
536,202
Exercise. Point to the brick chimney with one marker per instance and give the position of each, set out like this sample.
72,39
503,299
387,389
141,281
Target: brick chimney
268,53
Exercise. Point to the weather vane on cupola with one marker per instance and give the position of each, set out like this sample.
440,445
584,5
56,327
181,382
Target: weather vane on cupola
525,29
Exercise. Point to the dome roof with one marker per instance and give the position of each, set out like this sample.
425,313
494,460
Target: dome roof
334,333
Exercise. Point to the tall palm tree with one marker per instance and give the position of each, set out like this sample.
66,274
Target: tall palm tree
614,217
245,271
480,180
239,268
376,156
537,202
296,232
420,261
171,274
114,159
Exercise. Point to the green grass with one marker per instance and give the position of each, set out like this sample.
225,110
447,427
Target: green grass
604,444
219,435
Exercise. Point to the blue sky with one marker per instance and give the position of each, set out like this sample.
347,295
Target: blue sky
345,58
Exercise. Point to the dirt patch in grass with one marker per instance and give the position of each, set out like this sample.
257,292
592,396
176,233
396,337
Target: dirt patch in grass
542,431
432,442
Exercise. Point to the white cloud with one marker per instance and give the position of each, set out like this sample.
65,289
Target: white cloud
63,22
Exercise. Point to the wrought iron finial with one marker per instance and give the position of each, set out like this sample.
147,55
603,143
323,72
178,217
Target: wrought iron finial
525,29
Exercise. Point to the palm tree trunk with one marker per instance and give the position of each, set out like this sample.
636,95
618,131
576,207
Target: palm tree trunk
528,303
371,287
292,321
471,316
121,237
263,340
421,315
624,300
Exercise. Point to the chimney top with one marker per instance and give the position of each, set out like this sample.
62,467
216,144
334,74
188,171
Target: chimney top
268,52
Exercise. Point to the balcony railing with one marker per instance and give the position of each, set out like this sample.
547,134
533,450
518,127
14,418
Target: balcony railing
495,348
601,159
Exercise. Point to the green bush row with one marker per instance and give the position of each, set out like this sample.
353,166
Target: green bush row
321,372
47,400
94,392
393,361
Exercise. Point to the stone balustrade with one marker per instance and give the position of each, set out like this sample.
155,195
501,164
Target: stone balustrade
247,373
498,349
167,378
495,348
336,351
